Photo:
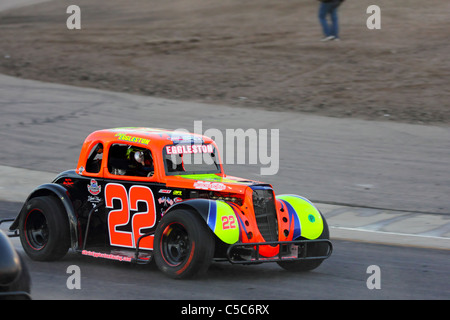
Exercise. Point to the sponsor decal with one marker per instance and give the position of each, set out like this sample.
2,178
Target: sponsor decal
180,138
208,185
68,182
177,192
177,199
164,191
94,199
105,255
94,188
166,201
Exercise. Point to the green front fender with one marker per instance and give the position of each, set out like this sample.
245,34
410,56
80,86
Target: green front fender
304,217
218,215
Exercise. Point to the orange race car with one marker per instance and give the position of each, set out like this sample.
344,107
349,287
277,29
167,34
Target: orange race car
141,194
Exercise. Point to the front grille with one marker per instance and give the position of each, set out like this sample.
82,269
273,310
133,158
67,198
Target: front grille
265,213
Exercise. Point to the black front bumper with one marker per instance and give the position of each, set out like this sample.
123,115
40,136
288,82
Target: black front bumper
247,253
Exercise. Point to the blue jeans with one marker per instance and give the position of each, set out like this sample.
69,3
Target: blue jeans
329,8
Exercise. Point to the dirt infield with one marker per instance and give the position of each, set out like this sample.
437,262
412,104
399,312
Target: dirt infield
252,53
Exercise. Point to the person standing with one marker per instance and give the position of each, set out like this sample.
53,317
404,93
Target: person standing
329,8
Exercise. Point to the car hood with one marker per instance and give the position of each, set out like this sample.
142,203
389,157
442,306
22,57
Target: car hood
211,182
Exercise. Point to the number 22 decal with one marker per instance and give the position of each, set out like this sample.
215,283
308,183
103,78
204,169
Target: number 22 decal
121,217
228,222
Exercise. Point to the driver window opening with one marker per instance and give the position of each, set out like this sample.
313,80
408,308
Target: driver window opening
94,162
128,160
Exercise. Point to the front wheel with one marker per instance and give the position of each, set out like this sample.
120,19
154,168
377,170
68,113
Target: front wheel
44,229
184,245
315,249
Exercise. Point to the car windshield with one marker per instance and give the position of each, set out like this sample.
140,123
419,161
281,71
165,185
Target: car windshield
183,159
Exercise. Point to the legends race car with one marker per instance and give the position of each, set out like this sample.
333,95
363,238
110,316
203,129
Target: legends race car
141,194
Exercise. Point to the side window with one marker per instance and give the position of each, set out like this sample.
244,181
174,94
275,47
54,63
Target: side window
128,160
94,162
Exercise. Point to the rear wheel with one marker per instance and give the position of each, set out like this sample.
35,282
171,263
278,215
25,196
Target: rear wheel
184,245
44,229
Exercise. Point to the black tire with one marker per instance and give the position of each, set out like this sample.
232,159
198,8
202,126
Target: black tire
183,245
316,249
44,229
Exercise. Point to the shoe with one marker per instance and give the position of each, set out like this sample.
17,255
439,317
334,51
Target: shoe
336,39
329,38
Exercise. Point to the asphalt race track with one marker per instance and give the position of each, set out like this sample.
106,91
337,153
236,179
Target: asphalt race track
371,179
43,126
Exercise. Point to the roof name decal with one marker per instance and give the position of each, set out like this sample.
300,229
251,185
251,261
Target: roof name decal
125,137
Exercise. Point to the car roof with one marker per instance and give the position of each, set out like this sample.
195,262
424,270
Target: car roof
145,136
153,138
